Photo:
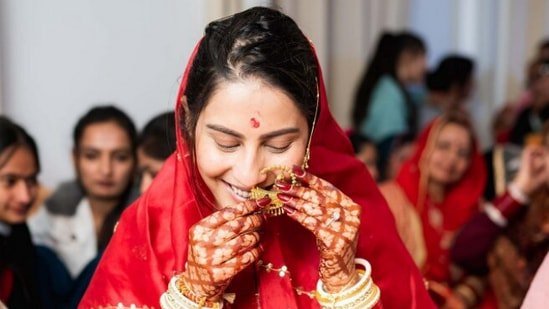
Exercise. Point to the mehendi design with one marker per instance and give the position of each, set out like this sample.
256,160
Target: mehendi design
317,202
220,246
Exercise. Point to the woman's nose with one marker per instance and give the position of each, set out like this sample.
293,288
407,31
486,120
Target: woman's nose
247,171
23,192
105,166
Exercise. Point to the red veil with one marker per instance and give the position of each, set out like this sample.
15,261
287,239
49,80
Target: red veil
150,242
460,202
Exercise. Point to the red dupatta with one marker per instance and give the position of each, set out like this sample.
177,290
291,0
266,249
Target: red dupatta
150,242
461,200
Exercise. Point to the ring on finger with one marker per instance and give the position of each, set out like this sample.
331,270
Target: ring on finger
335,217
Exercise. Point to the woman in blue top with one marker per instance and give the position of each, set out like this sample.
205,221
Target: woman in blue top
383,109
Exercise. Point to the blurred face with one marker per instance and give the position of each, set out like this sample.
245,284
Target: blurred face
412,67
540,88
104,160
245,127
18,186
467,89
148,168
451,155
368,155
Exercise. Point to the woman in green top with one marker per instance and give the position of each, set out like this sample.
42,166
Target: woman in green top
383,109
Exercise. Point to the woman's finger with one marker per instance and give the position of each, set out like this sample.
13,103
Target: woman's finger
242,260
230,213
212,256
232,229
326,191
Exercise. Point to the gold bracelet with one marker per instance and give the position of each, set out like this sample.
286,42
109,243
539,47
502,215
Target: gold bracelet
324,297
174,298
366,300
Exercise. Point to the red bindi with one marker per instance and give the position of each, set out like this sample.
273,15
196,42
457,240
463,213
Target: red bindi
255,124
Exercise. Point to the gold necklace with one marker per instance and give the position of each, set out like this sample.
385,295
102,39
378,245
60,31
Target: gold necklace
282,272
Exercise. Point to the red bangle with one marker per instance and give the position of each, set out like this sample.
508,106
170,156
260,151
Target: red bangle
507,205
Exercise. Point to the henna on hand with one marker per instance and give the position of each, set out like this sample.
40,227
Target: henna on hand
221,245
333,218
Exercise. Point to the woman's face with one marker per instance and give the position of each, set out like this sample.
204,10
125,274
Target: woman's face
18,186
412,67
104,160
451,155
148,167
245,127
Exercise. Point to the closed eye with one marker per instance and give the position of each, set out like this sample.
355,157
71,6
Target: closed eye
276,149
227,147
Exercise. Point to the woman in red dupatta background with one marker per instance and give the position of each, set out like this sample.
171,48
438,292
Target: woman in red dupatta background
443,181
252,98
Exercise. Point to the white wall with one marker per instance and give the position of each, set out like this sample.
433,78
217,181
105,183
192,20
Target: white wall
60,57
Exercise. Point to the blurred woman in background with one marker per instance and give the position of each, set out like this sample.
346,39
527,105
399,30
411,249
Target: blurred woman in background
78,219
435,193
19,167
383,109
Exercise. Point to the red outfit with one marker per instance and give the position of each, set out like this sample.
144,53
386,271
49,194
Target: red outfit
461,201
150,242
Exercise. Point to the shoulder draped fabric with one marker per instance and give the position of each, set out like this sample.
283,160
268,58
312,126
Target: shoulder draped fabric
150,242
460,202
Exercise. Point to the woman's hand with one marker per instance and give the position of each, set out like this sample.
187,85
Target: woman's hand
333,218
533,170
221,245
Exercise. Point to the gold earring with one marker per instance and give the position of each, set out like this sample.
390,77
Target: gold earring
305,164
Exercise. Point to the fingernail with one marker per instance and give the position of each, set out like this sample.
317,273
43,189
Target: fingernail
262,202
289,210
298,171
284,186
284,197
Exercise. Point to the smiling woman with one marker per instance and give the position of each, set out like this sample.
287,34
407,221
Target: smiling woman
252,111
19,167
240,153
436,191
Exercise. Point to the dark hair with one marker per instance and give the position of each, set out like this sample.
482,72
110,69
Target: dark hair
358,141
13,136
384,62
157,139
260,43
101,114
544,44
452,70
257,43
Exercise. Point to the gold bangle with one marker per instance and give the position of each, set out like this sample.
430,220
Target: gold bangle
365,301
324,297
364,294
174,298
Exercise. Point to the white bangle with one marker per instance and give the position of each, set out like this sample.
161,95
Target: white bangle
367,271
495,215
363,294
